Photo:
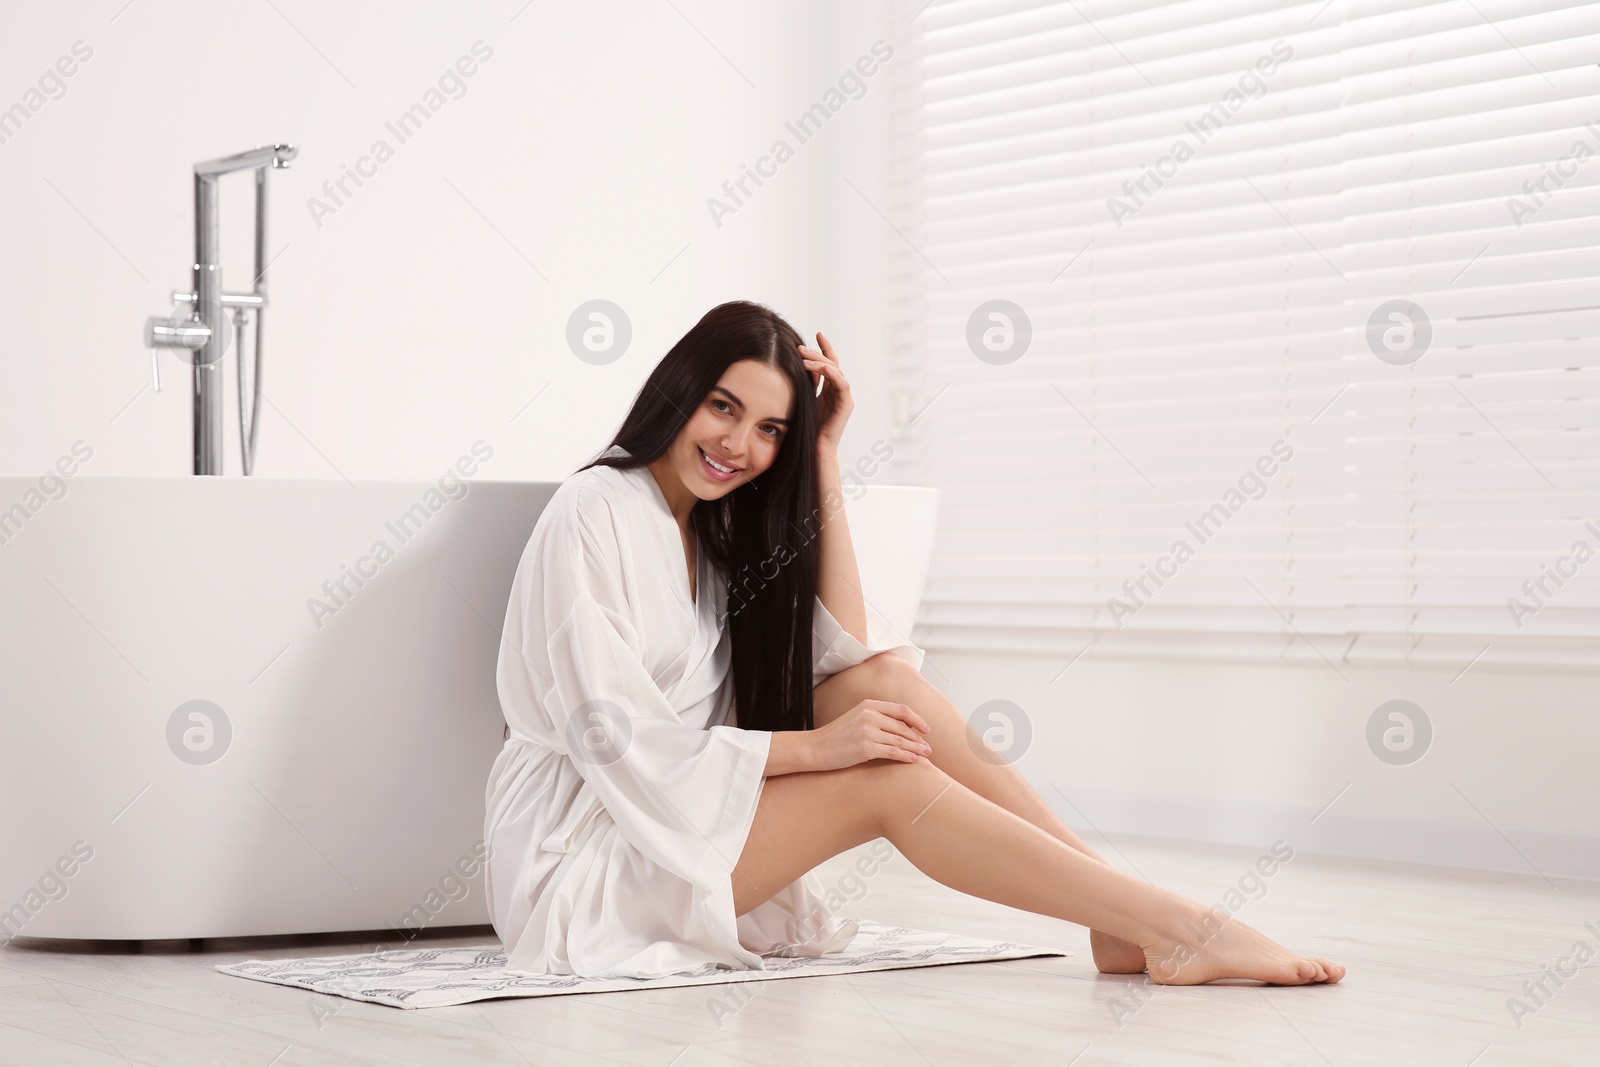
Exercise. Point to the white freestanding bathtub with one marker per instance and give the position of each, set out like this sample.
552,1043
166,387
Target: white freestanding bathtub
227,712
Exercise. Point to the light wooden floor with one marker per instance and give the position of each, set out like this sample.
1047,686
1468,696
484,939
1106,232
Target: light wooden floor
1433,956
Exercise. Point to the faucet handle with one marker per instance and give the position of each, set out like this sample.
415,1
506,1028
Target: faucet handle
182,331
185,333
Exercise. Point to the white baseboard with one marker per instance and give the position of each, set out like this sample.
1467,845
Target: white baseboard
1511,850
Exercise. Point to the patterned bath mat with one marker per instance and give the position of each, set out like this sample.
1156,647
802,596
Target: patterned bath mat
435,977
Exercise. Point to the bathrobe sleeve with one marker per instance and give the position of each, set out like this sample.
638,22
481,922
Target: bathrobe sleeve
682,795
833,648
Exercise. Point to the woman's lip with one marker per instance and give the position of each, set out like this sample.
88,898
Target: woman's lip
714,472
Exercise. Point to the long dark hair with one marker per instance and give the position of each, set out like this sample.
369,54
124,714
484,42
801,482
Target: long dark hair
761,534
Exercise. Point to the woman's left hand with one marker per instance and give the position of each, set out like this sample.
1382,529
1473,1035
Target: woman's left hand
835,403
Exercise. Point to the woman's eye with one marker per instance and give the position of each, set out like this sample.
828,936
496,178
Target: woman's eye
772,429
723,403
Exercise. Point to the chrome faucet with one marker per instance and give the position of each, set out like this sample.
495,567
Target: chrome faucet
200,336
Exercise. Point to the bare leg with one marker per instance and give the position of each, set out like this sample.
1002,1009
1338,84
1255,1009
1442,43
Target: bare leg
971,844
957,752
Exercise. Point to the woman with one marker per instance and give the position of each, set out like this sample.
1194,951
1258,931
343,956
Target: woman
679,759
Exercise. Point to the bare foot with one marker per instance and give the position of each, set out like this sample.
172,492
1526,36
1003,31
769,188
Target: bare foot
1212,946
1112,955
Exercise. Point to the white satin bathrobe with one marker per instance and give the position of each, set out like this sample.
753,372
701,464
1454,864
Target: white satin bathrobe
616,860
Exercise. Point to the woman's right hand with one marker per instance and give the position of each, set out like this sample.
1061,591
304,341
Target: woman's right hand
873,729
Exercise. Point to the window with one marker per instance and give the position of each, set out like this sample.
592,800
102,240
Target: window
1238,328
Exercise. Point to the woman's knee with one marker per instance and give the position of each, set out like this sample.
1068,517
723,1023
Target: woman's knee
894,791
884,676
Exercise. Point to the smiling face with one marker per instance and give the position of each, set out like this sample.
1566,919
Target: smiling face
735,433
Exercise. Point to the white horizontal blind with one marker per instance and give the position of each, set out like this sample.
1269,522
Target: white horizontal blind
1199,207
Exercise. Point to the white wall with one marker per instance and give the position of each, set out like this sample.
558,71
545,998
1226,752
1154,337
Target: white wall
1249,753
405,326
